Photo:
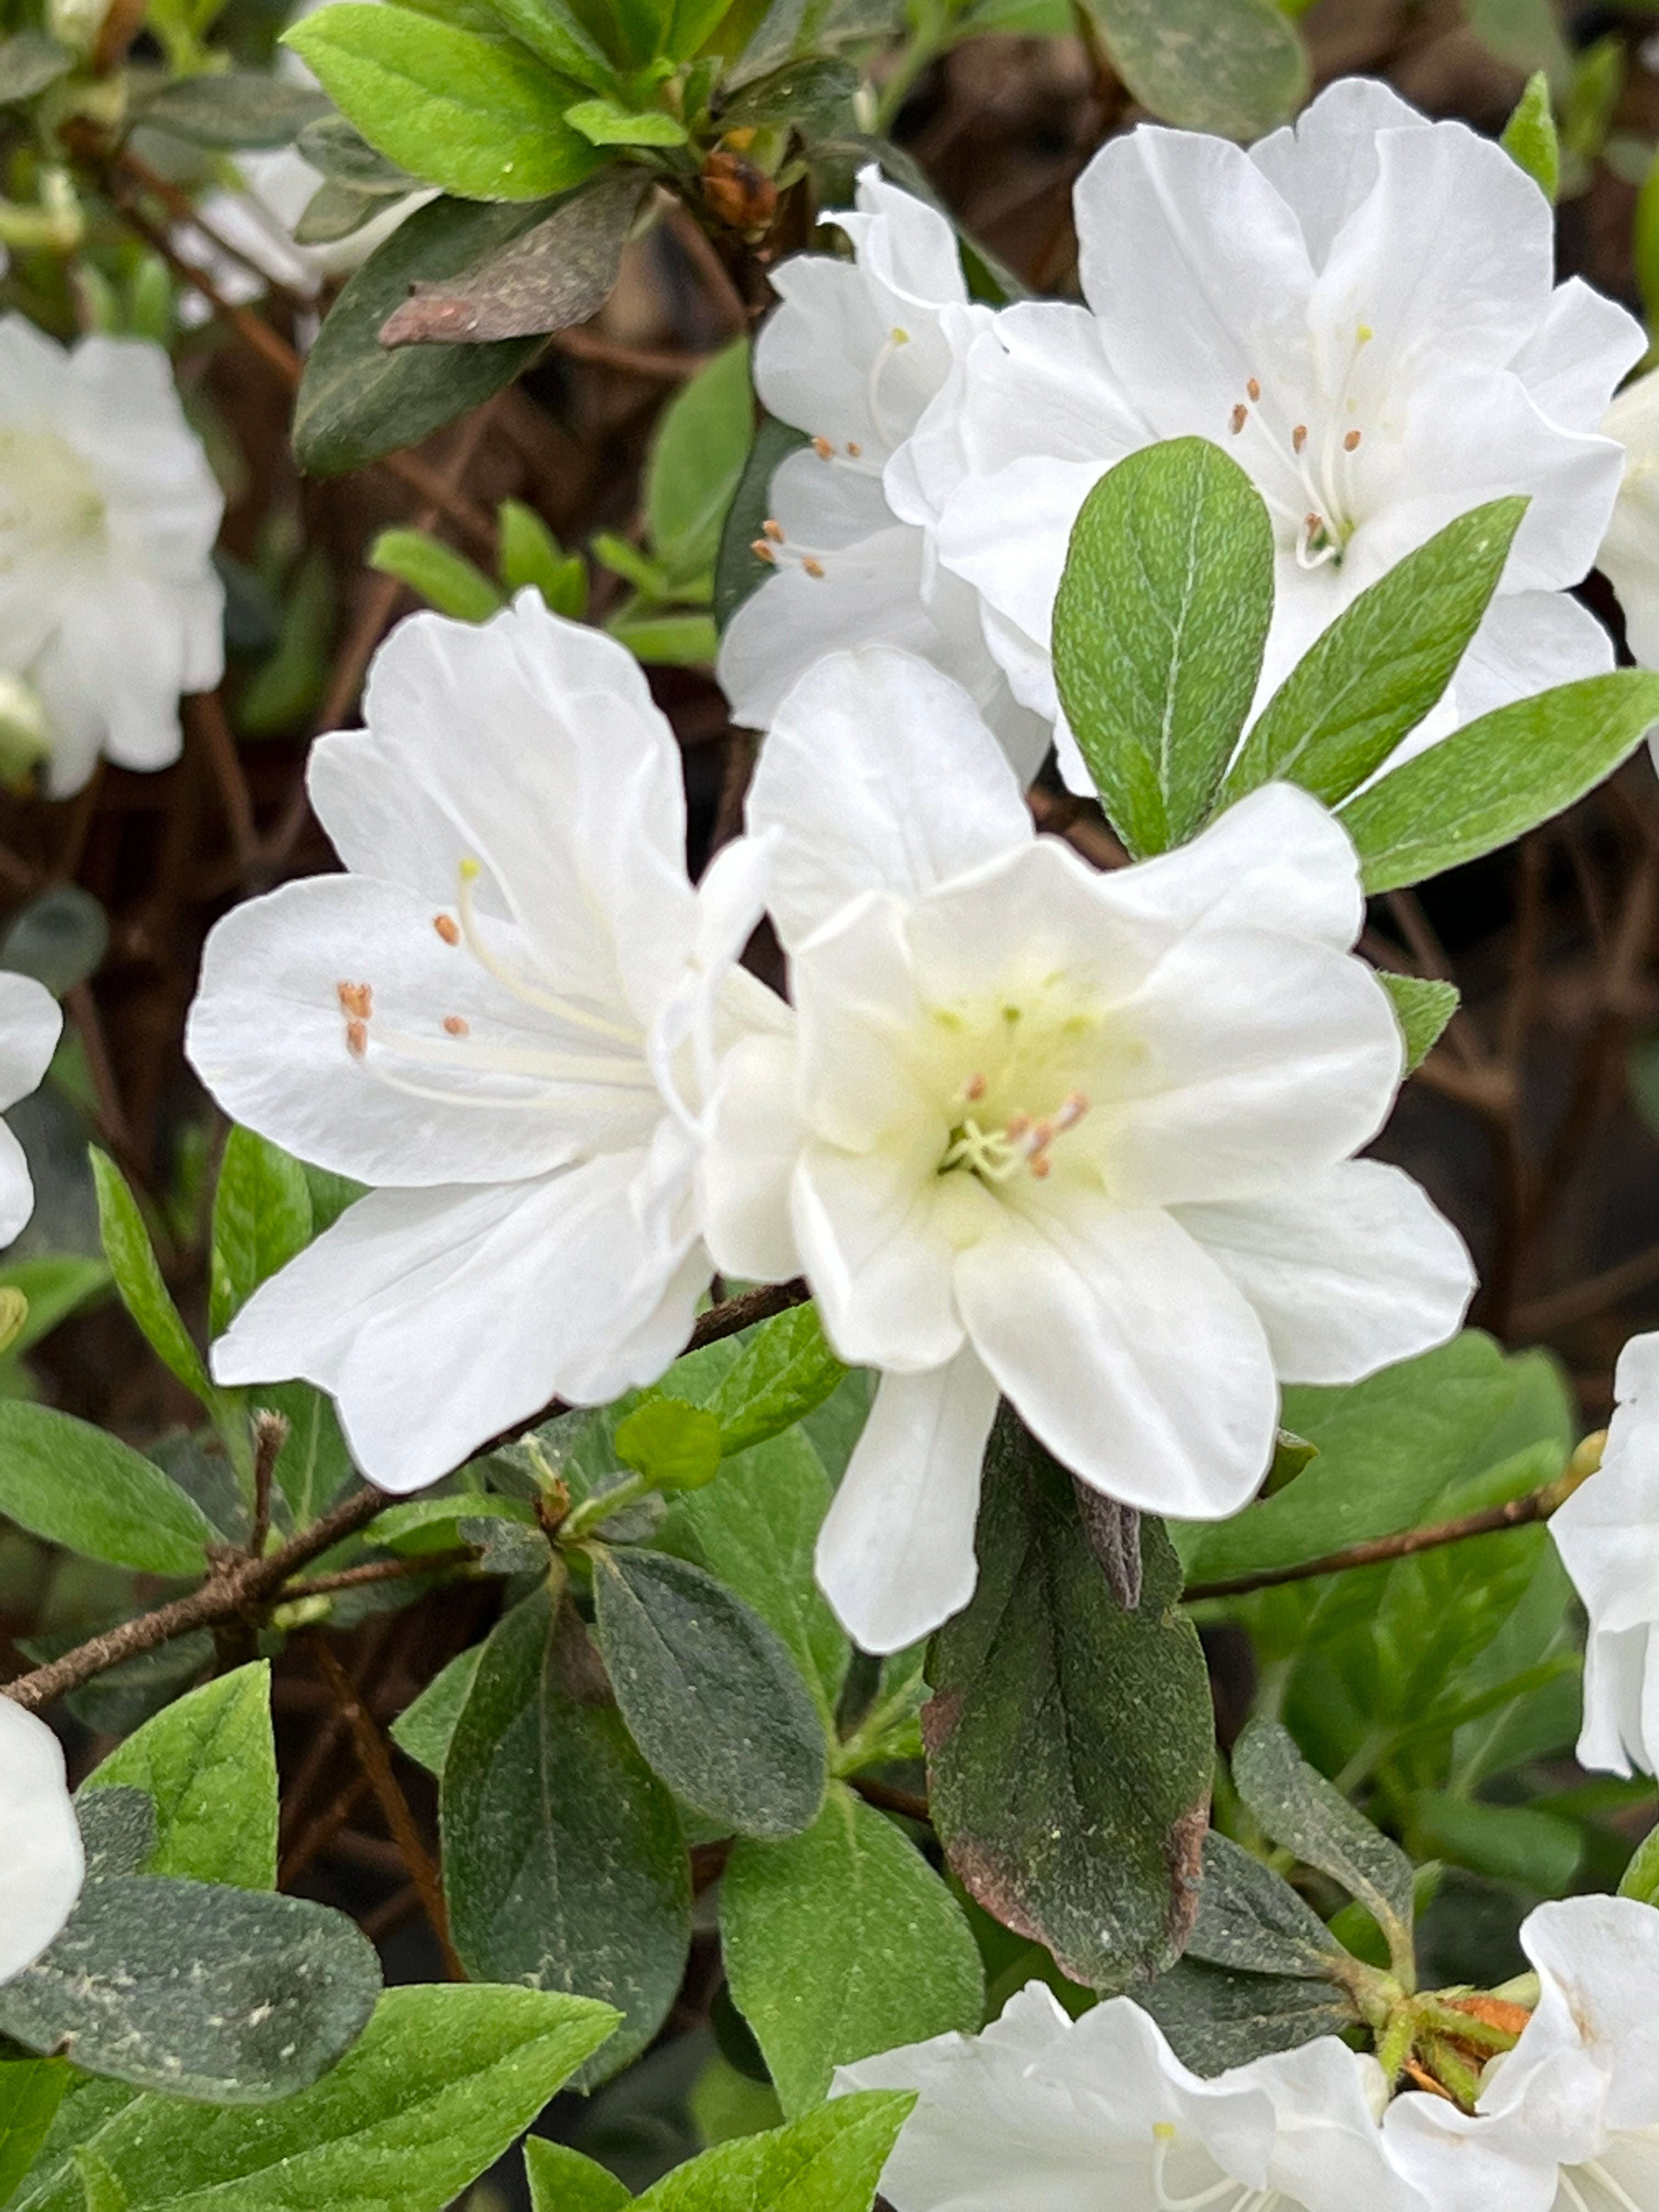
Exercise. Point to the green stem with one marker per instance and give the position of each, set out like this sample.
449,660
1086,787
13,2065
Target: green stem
592,1511
866,1742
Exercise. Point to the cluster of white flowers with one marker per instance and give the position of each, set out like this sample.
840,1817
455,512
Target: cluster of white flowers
1045,2114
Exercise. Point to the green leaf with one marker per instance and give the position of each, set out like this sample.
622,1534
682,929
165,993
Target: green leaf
561,2181
475,116
423,1729
1511,1842
104,2193
1235,67
1495,779
314,1466
675,1446
118,1828
1530,137
228,1995
696,463
138,1279
1641,1879
345,157
786,1371
60,937
1251,1919
841,1943
554,34
829,2161
710,1694
666,641
531,555
445,580
563,1860
441,2083
31,2090
261,1220
29,61
1215,2017
738,571
1369,679
359,400
81,1487
1301,1810
756,1528
1423,1007
55,1285
209,1763
235,107
1069,1741
1386,1448
1525,33
605,122
1159,625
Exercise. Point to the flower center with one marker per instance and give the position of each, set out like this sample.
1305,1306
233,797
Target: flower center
1035,1061
514,1075
1305,461
49,500
1227,2195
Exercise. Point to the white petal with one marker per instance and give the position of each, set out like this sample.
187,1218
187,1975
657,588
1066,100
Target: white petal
1094,1319
1325,163
1575,360
1327,2148
878,1233
896,1552
1598,1958
754,1143
31,1024
16,1188
878,774
1349,1272
40,1841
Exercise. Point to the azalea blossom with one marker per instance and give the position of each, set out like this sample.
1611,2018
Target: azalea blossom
1629,552
1082,1140
855,355
1041,2113
1362,311
1608,1534
40,1850
504,1018
109,604
30,1026
1569,2120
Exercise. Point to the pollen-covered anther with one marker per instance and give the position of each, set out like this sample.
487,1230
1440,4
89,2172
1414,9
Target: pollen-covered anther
457,1025
1241,417
1254,388
357,999
762,551
447,928
973,1090
824,449
357,1038
855,450
773,528
812,568
1299,436
1351,440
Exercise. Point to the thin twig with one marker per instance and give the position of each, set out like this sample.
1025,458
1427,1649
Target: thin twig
379,1570
269,1435
204,716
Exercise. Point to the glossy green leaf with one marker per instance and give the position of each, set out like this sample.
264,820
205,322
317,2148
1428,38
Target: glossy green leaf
1423,1007
555,34
81,1487
710,1694
208,1762
696,462
829,2161
675,1446
531,555
314,1464
476,116
665,639
1235,67
442,2081
1069,1740
1372,677
1530,137
605,122
1495,779
138,1277
1159,626
31,2090
1511,1842
445,579
786,1370
563,1860
561,2181
261,1220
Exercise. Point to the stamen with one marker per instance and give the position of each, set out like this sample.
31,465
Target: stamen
471,870
357,999
1018,1124
1244,2196
812,568
445,929
896,338
1299,437
357,1038
773,529
1615,2189
973,1090
762,551
1351,441
1252,388
457,1025
855,451
824,449
1240,417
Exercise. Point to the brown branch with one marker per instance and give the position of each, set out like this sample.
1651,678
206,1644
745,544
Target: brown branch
229,1592
204,716
660,366
379,1570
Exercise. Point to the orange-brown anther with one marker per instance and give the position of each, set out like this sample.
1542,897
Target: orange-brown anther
456,1025
357,999
446,928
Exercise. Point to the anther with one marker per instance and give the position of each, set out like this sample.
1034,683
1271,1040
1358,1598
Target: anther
357,1038
1018,1124
824,449
1313,524
973,1090
812,568
1253,389
456,1025
773,529
1351,441
1241,417
762,551
1299,436
446,928
357,999
855,450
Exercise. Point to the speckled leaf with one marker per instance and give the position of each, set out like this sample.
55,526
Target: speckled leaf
1235,67
1068,1741
1248,1917
208,1765
1216,2018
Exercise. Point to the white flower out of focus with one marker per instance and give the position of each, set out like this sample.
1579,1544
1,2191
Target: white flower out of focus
109,604
1082,1140
1041,2113
1629,552
1362,311
855,356
1608,1534
1569,2120
504,1018
41,1862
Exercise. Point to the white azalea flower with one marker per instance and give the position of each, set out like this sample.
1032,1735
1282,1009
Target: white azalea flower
503,1016
1629,552
1361,311
1569,2120
1085,1140
1608,1534
41,1863
30,1026
1041,2113
109,605
855,356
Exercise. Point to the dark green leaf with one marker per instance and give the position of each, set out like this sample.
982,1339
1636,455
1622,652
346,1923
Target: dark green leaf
81,1487
118,1829
238,107
357,399
1069,1741
1495,779
345,157
563,1860
1371,679
445,580
441,2084
138,1277
475,116
561,2181
209,1763
1530,137
738,572
1250,1917
814,96
1235,67
1512,1842
1300,1809
31,2090
829,2161
1216,2018
710,1694
841,1943
423,1731
696,463
59,937
1423,1007
1159,625
786,1370
261,1220
224,1994
29,61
